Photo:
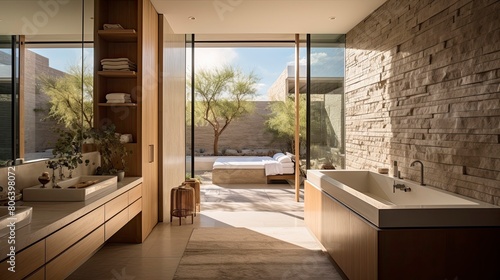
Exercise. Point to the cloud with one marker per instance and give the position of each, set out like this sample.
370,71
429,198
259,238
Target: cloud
208,58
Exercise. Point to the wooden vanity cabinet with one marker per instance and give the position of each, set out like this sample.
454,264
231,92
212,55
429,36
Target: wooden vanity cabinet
27,261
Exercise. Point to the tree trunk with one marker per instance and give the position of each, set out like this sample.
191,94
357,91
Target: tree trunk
216,143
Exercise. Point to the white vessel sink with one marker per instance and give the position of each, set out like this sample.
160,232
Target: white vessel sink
21,216
71,189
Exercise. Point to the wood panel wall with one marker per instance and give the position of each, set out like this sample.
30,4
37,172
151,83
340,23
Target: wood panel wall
149,142
172,120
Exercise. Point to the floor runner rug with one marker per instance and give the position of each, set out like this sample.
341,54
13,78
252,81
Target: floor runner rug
240,253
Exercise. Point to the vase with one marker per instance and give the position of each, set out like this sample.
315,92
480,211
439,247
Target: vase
120,175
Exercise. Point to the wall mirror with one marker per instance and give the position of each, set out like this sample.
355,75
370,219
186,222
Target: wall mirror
46,75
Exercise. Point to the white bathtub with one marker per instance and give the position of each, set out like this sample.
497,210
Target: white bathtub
371,196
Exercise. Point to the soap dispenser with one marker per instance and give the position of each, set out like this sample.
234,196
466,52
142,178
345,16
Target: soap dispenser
395,169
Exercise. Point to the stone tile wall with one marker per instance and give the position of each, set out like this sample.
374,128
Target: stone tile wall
423,82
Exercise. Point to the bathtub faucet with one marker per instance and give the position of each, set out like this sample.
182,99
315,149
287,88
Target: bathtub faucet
401,187
421,171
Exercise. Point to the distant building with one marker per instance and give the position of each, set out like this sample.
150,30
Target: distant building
38,130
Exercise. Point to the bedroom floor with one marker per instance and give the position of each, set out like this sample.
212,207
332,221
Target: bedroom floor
267,209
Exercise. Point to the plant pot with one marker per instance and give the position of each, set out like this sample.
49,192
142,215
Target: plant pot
120,175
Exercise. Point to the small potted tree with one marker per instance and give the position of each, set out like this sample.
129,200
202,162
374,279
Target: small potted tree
113,152
67,152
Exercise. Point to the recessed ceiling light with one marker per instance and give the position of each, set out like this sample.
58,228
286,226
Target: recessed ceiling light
332,18
191,18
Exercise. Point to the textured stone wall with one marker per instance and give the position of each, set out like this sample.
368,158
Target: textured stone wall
423,82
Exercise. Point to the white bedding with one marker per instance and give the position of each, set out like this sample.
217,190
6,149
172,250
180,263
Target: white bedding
269,164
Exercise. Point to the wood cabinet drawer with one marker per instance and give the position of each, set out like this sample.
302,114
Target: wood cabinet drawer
69,235
116,223
38,275
27,261
66,263
134,194
116,205
134,209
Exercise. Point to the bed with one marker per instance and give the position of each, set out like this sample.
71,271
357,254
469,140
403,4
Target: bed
252,169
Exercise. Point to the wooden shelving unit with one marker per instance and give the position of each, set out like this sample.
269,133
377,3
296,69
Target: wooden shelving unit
138,42
118,74
118,105
118,35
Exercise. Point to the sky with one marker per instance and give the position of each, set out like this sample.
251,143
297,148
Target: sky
269,63
266,63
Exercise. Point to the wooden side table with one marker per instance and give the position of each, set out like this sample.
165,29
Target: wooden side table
182,203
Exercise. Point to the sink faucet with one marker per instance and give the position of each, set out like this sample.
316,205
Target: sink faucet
421,171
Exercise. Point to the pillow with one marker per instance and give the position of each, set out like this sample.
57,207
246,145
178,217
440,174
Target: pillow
282,158
292,156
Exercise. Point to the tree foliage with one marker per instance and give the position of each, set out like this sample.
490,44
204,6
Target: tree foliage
71,97
222,96
281,122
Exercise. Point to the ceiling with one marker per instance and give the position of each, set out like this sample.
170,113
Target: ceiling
265,16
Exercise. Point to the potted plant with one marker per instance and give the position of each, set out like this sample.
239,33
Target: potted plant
67,151
113,152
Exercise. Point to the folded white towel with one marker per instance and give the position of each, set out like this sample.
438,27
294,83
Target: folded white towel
118,67
272,167
115,59
117,63
119,101
117,96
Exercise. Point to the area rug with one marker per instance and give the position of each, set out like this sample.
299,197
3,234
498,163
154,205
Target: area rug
240,253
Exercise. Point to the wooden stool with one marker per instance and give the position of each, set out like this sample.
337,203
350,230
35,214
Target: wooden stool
182,203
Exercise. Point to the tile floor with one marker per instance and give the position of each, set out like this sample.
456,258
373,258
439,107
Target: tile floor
267,209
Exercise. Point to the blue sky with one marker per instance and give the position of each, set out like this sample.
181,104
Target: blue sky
63,58
269,63
266,63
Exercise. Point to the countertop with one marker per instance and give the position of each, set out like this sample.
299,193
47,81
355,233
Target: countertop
48,217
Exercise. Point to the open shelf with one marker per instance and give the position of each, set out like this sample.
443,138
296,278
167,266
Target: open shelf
118,74
118,35
117,104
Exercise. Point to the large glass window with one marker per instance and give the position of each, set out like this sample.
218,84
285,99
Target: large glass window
266,124
326,102
58,94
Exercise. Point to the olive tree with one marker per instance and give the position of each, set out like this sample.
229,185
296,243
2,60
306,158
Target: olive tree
222,96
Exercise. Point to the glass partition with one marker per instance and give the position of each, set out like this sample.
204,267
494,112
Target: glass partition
9,93
55,66
326,142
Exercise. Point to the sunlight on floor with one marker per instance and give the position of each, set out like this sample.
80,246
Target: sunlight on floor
267,209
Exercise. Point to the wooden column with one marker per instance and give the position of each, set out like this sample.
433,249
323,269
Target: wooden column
297,118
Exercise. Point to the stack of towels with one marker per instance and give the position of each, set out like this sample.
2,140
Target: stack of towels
118,98
118,64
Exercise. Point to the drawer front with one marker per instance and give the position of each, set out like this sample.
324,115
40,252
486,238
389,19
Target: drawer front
116,205
69,235
38,275
134,194
66,263
27,261
116,223
134,209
